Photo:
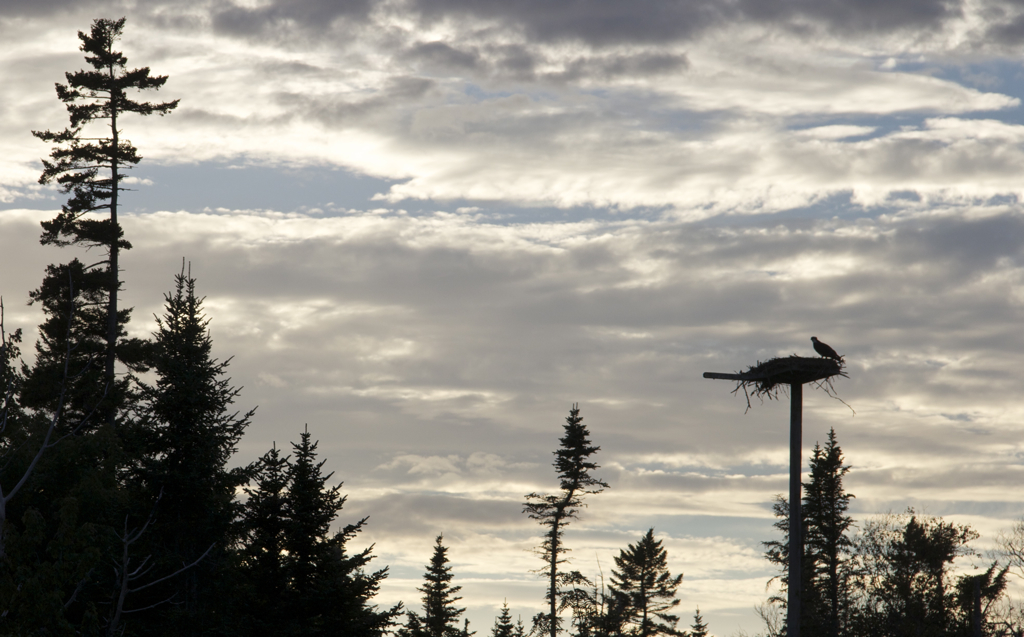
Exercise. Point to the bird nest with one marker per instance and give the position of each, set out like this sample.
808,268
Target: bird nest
764,379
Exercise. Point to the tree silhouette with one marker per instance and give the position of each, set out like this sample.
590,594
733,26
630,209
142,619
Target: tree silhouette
554,512
826,542
264,521
503,626
303,580
77,161
827,569
440,615
698,628
907,560
642,579
189,433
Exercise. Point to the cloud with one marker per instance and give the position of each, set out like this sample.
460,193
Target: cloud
447,222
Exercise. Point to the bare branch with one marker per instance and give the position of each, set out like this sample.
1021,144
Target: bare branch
179,571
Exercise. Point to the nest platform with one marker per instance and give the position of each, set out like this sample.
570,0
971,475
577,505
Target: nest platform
764,378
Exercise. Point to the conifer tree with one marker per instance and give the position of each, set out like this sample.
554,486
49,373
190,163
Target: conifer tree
312,506
555,511
642,579
189,434
263,545
303,579
826,568
68,376
698,628
440,614
72,491
90,169
413,626
826,539
503,626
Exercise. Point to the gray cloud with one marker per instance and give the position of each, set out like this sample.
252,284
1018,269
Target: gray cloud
283,16
435,344
609,22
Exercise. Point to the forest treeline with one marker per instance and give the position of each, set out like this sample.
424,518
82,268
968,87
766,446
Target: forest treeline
121,512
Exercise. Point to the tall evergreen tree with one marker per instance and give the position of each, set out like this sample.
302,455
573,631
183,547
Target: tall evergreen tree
826,567
263,545
826,539
642,579
312,506
75,499
555,511
503,626
440,614
189,434
53,533
90,169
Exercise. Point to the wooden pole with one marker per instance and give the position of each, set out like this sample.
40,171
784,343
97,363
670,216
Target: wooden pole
976,619
796,540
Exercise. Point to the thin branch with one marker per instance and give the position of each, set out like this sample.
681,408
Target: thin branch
177,572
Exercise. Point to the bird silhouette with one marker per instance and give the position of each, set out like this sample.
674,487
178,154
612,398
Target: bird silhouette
825,350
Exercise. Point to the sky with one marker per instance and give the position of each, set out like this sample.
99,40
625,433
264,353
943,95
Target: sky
427,228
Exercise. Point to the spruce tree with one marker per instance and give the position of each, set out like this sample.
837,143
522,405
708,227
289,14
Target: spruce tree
698,628
826,567
826,539
263,544
56,531
189,434
555,511
413,626
312,506
642,580
67,380
503,626
440,614
304,581
90,169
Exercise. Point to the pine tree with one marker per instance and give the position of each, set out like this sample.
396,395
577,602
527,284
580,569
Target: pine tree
554,512
440,615
642,579
698,628
93,96
503,626
190,432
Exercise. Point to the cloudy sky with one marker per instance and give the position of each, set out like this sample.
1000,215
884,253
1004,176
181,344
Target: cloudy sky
427,227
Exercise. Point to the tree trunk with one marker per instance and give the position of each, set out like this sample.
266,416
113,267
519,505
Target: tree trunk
114,248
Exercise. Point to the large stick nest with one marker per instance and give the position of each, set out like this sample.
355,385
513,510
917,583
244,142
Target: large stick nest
764,379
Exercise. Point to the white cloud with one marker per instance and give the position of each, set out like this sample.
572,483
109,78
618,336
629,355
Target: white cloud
434,350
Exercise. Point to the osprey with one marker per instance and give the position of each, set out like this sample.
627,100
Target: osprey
825,350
